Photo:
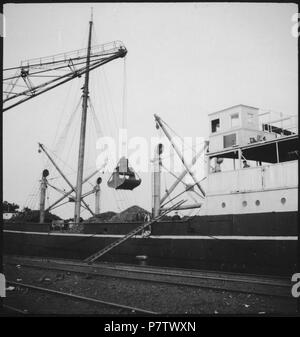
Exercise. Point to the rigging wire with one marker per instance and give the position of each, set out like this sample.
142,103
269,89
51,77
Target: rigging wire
97,125
107,105
189,188
61,144
58,158
176,134
55,143
183,147
128,197
100,88
164,157
31,196
124,107
90,145
60,139
34,197
123,195
72,143
103,104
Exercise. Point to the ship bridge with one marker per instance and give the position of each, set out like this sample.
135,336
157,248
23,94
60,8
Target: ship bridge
269,151
252,162
245,133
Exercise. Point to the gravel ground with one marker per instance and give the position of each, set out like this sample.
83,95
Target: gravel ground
162,298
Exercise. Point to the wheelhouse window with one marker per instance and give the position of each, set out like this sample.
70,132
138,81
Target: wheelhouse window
250,118
229,140
215,125
235,121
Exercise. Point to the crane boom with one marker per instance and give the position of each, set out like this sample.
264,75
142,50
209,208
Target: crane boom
160,123
28,80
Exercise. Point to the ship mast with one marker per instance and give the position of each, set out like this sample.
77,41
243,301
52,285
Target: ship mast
85,96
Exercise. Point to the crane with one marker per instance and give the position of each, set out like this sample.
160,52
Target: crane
28,80
36,76
162,125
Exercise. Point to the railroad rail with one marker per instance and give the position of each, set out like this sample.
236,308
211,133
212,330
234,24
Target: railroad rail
13,309
78,297
251,284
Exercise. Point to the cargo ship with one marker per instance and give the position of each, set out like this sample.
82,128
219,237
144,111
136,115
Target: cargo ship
247,221
248,214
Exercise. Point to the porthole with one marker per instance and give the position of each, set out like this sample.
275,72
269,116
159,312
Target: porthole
283,201
223,205
244,203
257,202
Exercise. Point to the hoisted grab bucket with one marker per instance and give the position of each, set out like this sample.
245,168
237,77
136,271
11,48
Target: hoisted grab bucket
123,177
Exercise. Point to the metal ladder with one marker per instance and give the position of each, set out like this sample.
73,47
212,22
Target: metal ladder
116,243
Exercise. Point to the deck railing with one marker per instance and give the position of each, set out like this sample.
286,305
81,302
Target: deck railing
266,177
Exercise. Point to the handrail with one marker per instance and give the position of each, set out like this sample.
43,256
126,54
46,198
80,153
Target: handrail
109,46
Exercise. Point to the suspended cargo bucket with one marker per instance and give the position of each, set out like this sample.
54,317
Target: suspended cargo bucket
123,177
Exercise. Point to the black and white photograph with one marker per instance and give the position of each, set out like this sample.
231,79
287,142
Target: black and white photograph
150,162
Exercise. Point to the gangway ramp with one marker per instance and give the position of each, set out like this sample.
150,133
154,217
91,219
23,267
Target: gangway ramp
116,243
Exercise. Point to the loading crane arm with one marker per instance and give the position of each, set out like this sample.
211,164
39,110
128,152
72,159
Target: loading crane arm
161,124
31,78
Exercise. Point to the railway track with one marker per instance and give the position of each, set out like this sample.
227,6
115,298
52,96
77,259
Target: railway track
253,284
9,309
75,297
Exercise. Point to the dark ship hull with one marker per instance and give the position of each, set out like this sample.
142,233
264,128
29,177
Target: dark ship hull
264,243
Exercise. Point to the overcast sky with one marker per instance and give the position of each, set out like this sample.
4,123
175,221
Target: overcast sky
184,61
